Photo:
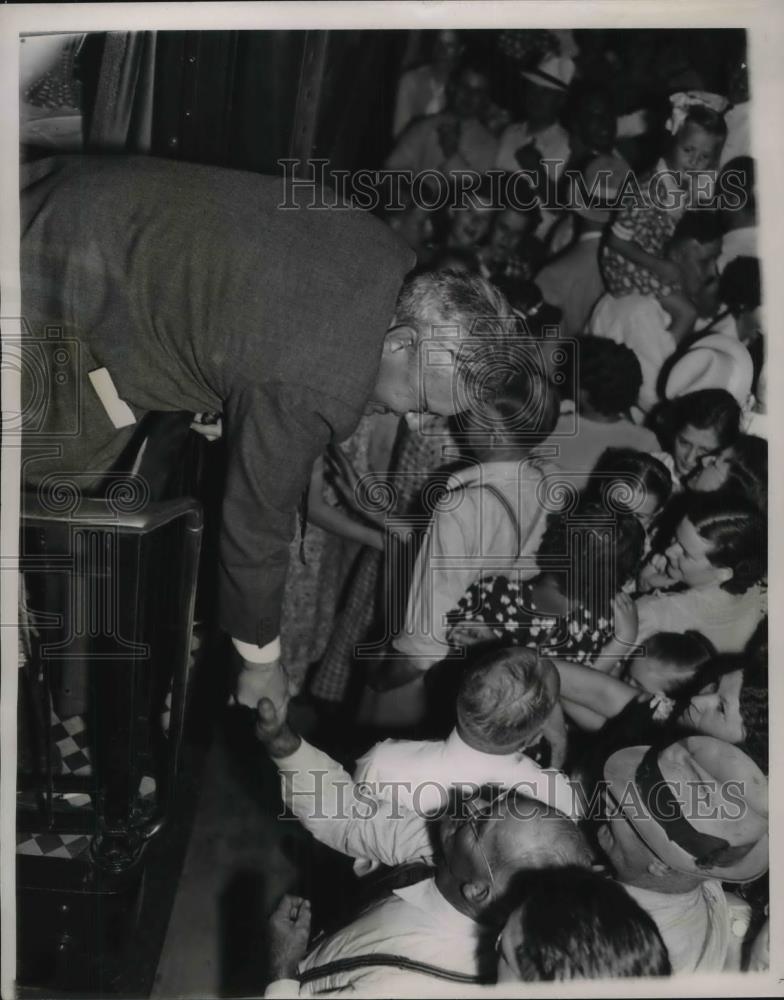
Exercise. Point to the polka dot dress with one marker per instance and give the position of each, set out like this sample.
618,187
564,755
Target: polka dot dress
507,611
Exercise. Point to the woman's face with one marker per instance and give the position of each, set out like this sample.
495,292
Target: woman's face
688,562
691,444
715,711
711,473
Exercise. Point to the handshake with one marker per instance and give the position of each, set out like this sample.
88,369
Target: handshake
264,688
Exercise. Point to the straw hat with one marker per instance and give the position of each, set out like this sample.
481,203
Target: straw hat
717,361
700,805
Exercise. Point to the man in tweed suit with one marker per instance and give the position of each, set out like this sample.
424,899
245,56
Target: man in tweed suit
188,288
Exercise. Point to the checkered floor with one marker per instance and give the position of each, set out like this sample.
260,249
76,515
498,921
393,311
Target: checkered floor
70,738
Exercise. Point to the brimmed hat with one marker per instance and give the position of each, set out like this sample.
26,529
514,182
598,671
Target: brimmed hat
717,361
552,73
700,805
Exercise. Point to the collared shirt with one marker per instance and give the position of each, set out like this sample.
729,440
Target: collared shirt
574,283
552,144
471,536
419,147
694,925
639,322
422,771
325,799
726,620
415,922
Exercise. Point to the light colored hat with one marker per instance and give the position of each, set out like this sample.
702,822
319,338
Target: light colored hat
552,73
717,361
701,806
606,173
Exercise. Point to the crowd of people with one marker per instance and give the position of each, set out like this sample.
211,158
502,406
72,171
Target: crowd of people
534,625
523,620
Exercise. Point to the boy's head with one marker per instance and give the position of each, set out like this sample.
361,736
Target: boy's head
505,699
515,415
672,661
609,376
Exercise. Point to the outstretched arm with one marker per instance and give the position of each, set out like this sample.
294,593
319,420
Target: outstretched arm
604,695
346,816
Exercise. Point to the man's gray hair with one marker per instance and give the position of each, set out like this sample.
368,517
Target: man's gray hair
469,310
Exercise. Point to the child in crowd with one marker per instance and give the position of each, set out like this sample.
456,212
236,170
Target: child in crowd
693,426
467,226
489,516
512,251
710,576
608,380
565,612
414,224
504,703
633,259
625,479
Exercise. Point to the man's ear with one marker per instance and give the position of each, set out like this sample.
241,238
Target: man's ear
657,868
399,338
475,893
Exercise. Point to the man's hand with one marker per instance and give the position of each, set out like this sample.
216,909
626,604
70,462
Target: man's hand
274,732
208,425
289,934
262,680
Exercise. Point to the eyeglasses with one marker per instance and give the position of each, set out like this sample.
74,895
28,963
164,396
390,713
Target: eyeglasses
475,814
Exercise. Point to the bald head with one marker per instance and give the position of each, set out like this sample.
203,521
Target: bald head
531,835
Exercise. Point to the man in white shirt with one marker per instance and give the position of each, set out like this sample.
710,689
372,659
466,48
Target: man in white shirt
439,920
640,322
504,703
672,848
544,96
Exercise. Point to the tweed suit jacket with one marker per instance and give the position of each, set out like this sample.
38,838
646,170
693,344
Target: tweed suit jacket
197,292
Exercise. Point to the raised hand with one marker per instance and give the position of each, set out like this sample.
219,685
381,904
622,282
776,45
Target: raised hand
289,934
